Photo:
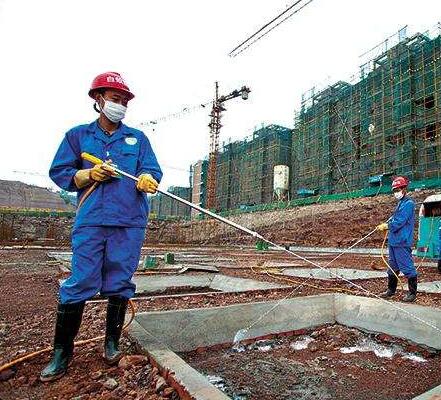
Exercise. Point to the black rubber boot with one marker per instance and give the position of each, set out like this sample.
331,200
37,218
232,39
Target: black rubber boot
413,285
68,323
116,311
439,266
392,282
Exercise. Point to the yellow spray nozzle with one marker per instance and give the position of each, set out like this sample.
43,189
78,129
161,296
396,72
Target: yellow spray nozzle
91,158
96,160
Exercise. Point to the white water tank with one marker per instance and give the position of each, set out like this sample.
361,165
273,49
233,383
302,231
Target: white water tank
281,180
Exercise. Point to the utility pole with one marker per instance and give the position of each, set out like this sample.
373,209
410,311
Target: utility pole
215,125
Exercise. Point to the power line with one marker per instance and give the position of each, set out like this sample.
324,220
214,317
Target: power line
165,166
30,173
233,52
264,26
175,115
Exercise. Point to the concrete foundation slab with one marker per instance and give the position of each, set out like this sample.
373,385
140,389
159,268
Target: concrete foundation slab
380,316
355,250
200,258
430,287
197,267
428,264
274,264
160,283
189,255
227,283
347,273
61,255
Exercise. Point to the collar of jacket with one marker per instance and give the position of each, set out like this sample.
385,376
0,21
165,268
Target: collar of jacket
401,201
95,129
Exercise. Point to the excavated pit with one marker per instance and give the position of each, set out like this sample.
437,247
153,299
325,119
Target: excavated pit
346,340
332,362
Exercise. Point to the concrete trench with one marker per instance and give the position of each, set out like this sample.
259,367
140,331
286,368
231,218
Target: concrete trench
188,330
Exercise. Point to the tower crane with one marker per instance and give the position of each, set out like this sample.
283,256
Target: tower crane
215,125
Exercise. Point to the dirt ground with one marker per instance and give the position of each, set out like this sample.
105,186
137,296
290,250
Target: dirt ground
292,368
28,296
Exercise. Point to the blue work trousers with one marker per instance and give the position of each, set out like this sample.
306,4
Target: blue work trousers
104,260
400,259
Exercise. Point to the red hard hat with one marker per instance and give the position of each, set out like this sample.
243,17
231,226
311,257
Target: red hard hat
399,182
110,80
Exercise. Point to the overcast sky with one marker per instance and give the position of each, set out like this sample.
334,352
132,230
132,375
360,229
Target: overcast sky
170,54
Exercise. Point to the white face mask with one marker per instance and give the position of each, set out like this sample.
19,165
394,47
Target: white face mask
113,111
399,195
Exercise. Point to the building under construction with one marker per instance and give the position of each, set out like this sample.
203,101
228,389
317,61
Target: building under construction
347,136
198,181
387,123
163,206
245,169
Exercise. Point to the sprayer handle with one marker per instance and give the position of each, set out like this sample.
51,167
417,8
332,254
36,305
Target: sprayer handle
91,158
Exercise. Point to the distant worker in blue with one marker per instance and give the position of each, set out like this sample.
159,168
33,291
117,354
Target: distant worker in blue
109,227
439,249
401,226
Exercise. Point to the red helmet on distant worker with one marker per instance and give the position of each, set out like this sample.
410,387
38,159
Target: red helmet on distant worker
399,182
110,80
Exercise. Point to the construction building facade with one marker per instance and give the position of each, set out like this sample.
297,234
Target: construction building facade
245,169
198,179
162,206
387,123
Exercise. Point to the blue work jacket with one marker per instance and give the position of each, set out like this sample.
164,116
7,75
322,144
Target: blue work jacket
402,223
115,202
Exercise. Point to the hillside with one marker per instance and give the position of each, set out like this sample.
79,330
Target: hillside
337,224
15,194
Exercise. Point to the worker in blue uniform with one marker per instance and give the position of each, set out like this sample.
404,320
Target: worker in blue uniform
109,227
400,241
439,249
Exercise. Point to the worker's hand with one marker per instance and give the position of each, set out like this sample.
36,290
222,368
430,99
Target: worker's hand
82,178
101,173
147,184
383,227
